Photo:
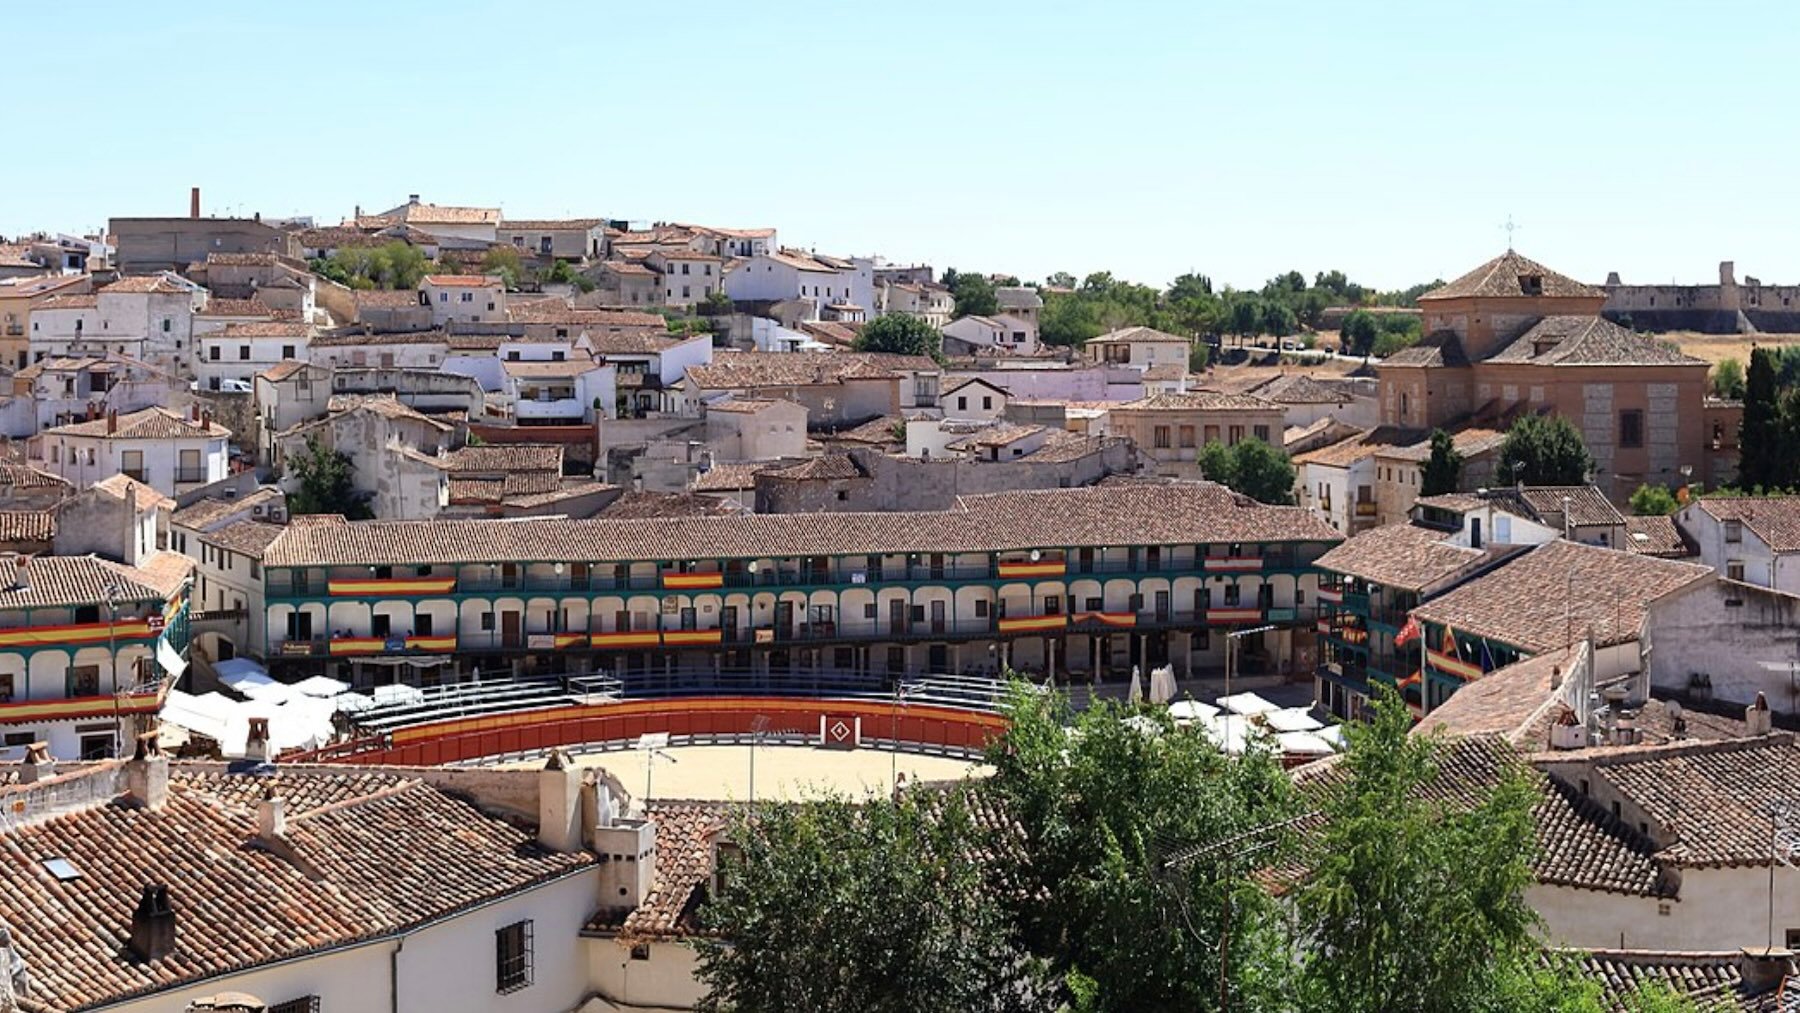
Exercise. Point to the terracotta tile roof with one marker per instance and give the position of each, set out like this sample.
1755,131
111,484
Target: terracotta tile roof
626,267
440,214
1064,446
752,370
1589,341
358,339
283,369
68,581
1711,980
1000,435
1139,334
1505,276
221,307
685,832
27,526
1587,505
359,846
1774,519
70,302
1711,798
117,486
1434,350
1511,702
505,489
247,537
877,431
649,506
149,283
395,298
550,224
728,477
569,489
203,513
33,287
1200,400
1355,448
568,369
1657,536
504,457
1157,513
825,467
1559,591
587,317
164,570
460,280
687,255
266,329
830,332
155,423
1469,441
1400,555
745,405
1299,388
20,476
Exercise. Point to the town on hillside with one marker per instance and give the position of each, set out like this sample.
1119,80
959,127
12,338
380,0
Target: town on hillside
426,608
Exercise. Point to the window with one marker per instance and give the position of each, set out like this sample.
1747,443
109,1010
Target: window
1231,594
243,352
987,403
287,351
304,1004
1734,531
468,297
1262,433
962,404
487,622
512,957
213,353
84,680
1734,570
1187,436
1161,437
640,951
166,325
1631,428
6,687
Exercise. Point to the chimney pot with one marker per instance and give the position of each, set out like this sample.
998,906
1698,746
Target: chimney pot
37,765
412,198
206,420
147,773
271,816
559,803
1757,718
153,924
256,744
22,574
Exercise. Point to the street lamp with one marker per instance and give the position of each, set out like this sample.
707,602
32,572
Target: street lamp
758,725
903,691
654,746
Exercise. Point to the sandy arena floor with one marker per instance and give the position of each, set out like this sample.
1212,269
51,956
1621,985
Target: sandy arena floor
723,772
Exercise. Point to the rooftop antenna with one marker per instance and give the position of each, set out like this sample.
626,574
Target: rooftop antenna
1510,229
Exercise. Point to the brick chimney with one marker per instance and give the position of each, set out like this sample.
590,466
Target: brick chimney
1757,718
147,773
194,202
559,803
22,574
627,852
112,421
271,816
153,924
206,420
256,744
37,765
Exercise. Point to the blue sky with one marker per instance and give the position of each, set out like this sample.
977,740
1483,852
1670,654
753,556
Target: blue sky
1389,140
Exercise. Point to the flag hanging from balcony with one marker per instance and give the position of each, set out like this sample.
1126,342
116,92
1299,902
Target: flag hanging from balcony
1449,659
1408,632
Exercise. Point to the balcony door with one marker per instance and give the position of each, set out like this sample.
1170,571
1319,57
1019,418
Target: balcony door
511,634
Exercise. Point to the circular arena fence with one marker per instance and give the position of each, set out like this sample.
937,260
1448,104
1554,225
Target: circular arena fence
838,723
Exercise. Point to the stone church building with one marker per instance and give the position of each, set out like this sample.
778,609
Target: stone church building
1513,336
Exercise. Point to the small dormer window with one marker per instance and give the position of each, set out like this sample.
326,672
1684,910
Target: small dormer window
1531,284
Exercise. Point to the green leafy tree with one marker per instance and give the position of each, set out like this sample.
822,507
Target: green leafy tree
1190,286
1357,334
902,335
1251,467
1067,320
1198,356
1443,469
1060,279
718,304
505,262
1278,319
327,483
1728,379
1413,904
1759,444
1544,451
881,906
974,294
1653,500
1106,802
1244,316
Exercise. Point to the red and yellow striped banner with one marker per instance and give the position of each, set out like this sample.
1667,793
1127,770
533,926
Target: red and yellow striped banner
1120,619
1234,564
358,645
1323,626
76,633
1331,596
630,638
1042,568
689,581
1233,615
77,708
689,638
1452,665
1033,624
566,640
380,586
447,643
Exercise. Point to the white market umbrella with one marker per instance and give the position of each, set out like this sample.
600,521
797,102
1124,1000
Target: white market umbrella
1192,710
1136,693
1162,684
1246,704
1292,719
